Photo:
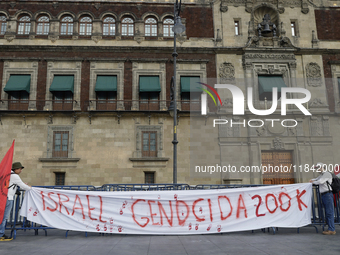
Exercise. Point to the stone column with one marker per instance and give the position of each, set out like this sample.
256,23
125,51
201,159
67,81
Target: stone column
97,30
11,29
75,29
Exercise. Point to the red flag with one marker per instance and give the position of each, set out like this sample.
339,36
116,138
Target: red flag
5,175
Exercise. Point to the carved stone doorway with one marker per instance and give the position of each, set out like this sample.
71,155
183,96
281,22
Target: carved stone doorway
279,165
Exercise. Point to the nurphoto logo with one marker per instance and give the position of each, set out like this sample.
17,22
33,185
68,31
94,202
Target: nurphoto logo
238,104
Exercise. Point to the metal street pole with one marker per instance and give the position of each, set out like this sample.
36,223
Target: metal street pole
178,28
175,142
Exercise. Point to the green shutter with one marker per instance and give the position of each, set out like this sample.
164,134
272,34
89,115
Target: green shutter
266,83
190,84
18,83
106,83
62,83
149,84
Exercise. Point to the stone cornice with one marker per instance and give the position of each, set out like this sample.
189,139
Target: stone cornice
151,50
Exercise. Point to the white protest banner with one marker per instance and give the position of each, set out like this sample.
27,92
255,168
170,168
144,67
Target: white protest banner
173,212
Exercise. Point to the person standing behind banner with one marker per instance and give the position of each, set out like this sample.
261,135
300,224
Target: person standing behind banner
326,196
14,181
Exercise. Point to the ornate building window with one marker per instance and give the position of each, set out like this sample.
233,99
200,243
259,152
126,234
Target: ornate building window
150,27
66,25
167,28
43,25
3,24
127,27
109,26
24,26
85,26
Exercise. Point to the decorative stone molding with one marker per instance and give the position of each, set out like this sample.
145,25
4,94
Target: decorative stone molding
9,38
292,131
270,56
247,65
261,131
299,127
96,39
271,69
316,127
278,144
223,6
286,42
316,103
218,39
313,73
55,5
12,4
53,38
315,41
139,39
97,6
227,73
325,124
275,128
281,10
181,38
304,7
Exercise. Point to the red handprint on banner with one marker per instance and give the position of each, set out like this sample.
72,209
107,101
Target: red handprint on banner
219,228
124,204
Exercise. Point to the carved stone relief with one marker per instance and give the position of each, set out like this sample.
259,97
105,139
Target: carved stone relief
278,144
316,126
269,56
316,103
325,124
261,131
227,73
313,73
271,69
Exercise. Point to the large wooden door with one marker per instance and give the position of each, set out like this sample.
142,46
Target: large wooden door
279,167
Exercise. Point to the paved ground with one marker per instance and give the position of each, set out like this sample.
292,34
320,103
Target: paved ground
285,241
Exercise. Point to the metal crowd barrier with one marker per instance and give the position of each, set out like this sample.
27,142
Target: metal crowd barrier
17,222
143,187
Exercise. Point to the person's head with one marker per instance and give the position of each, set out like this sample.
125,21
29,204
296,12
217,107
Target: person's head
17,167
319,167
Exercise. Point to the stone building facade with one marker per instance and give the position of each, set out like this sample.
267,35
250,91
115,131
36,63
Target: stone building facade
70,127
